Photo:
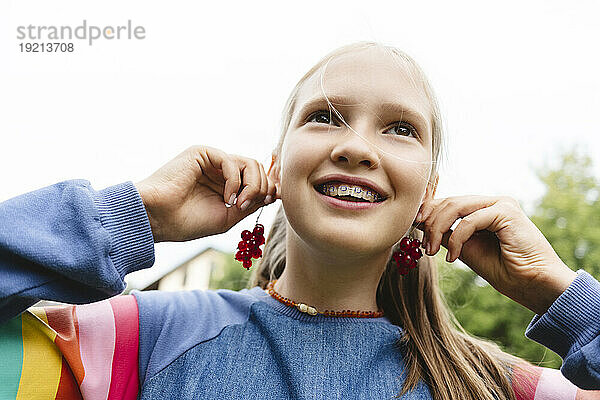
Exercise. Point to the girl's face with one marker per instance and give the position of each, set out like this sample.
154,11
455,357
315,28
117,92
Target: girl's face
390,146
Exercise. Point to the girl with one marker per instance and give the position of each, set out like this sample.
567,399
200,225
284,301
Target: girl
364,116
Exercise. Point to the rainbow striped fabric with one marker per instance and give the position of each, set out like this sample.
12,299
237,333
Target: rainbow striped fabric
71,352
539,383
91,352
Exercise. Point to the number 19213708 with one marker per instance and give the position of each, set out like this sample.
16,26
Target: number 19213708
49,47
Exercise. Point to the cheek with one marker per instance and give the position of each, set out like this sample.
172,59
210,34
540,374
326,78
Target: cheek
410,161
302,158
410,177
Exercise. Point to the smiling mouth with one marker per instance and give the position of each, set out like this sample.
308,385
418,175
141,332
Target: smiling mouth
321,189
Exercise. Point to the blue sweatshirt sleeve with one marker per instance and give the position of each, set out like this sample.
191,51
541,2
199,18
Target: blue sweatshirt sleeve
571,328
72,244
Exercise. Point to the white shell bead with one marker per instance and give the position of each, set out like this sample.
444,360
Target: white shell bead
303,307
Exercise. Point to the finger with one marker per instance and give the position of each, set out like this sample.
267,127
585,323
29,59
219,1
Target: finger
270,195
476,221
264,185
426,209
258,199
264,188
277,191
231,172
447,212
479,244
251,182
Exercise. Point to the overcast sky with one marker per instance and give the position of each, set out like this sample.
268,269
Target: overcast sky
517,83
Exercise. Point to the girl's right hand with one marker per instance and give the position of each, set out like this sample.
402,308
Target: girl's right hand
185,199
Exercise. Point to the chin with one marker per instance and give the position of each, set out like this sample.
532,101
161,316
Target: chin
342,240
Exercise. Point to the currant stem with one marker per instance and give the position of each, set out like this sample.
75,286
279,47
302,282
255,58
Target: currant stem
261,210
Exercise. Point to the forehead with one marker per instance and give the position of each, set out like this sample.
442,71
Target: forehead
368,78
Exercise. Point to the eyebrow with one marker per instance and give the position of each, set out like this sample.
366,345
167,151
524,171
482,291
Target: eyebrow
394,108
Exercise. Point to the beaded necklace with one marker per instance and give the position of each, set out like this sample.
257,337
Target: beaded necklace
313,311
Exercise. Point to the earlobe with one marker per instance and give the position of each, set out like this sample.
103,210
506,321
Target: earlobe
431,188
275,176
272,163
435,186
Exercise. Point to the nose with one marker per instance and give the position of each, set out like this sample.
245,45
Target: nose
354,147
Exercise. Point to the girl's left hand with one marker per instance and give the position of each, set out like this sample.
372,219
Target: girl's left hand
500,243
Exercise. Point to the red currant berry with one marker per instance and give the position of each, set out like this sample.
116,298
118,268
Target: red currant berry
246,254
405,244
252,243
238,256
412,264
261,240
242,245
415,253
405,259
246,234
247,264
415,243
257,253
258,230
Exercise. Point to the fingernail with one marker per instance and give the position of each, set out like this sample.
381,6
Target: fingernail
428,248
245,205
232,199
268,199
419,216
448,258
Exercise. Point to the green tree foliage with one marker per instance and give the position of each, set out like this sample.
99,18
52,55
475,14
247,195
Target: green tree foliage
569,213
486,313
232,275
569,217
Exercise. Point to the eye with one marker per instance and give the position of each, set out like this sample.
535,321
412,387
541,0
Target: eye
404,128
320,117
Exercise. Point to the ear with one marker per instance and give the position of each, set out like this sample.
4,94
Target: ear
273,174
431,188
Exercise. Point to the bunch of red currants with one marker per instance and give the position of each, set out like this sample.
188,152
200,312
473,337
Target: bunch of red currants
408,255
248,248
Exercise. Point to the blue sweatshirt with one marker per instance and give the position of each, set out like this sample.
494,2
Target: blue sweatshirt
70,243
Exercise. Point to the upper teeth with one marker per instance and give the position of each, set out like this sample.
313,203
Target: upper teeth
345,189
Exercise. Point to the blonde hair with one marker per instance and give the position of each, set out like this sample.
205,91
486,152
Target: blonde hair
454,364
